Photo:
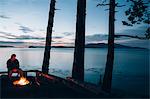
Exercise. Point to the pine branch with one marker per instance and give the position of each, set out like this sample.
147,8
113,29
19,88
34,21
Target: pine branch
57,9
102,4
120,5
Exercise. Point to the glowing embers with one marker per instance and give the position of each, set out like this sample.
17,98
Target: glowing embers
22,81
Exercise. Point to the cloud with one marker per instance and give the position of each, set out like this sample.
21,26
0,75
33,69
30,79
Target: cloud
7,34
27,37
57,37
68,38
25,29
4,37
68,33
95,38
10,42
62,44
21,37
43,30
139,31
98,38
4,17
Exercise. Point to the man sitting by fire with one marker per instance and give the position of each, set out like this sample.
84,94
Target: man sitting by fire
13,66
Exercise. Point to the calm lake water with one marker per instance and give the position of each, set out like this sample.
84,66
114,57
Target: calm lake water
130,74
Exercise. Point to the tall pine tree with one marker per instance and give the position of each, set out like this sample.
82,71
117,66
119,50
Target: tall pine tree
78,63
45,66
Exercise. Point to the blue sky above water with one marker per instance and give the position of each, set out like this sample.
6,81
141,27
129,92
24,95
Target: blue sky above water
26,21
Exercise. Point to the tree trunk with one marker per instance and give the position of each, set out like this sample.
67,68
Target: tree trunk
78,63
107,80
45,66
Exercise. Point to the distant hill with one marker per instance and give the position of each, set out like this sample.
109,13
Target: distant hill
104,45
91,45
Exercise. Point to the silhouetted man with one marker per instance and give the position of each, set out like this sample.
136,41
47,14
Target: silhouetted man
13,66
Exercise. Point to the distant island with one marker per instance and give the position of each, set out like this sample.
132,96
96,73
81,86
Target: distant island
91,45
104,45
4,46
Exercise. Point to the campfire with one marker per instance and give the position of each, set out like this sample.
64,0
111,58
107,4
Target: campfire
22,81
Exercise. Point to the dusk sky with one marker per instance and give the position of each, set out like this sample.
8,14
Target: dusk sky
26,21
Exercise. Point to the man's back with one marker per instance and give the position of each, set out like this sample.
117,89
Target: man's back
12,64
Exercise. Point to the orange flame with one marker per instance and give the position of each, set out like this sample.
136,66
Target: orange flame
22,81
